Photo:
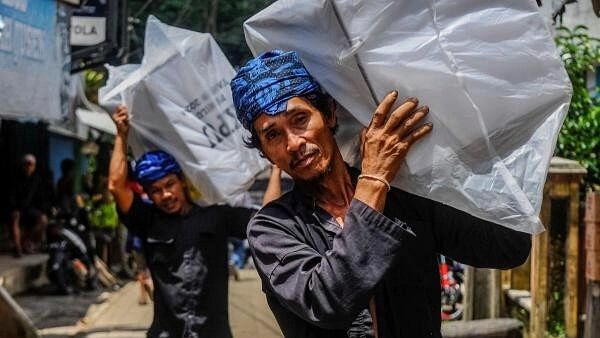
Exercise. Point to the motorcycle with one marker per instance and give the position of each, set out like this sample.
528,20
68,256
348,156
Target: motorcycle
451,279
70,250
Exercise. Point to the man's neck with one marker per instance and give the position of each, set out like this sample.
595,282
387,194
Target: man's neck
334,191
185,208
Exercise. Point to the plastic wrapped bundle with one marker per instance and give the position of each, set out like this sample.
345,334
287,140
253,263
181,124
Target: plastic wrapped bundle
180,102
488,70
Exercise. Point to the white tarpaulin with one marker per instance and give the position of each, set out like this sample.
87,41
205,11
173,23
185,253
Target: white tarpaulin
488,70
180,102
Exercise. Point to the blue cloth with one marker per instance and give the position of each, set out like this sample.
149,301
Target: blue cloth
267,82
154,165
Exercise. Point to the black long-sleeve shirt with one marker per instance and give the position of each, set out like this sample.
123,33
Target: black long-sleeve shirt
187,257
319,278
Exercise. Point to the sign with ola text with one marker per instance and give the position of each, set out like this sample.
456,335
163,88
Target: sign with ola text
87,31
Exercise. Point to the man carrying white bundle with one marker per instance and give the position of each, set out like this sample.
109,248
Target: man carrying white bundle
344,254
185,245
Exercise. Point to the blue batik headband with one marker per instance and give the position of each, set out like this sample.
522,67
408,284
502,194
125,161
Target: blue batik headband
154,165
267,82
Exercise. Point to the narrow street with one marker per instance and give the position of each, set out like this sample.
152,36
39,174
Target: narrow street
120,316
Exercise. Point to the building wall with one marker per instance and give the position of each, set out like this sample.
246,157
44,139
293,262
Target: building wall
30,70
61,147
577,13
582,13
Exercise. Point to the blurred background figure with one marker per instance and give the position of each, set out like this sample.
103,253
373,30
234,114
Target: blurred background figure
104,221
65,188
30,201
70,246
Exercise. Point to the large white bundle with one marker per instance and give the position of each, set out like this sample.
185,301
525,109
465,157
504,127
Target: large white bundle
488,70
180,102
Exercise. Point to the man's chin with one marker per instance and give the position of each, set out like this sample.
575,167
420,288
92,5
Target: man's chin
171,211
312,175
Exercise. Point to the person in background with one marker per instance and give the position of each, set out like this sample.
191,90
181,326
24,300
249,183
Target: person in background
185,245
104,220
273,190
65,186
30,200
70,237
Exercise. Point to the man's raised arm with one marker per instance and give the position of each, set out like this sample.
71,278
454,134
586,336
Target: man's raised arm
117,175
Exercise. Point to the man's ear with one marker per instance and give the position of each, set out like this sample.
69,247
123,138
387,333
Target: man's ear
332,120
182,180
263,155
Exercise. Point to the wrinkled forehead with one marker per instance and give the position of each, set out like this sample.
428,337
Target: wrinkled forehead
294,105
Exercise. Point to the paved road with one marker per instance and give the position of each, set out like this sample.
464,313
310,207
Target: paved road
121,316
249,313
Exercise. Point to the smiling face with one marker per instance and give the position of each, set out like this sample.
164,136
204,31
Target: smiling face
299,141
168,194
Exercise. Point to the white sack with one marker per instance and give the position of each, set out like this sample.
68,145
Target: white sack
180,102
488,70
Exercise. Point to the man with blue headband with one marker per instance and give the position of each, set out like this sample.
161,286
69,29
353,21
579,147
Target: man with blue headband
185,245
344,254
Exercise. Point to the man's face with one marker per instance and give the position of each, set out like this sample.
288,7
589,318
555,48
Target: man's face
299,140
28,167
168,194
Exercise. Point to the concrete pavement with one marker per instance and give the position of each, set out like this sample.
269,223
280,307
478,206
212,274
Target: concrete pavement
120,316
20,274
249,314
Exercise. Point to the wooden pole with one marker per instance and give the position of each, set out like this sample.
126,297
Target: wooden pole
592,246
572,262
539,274
564,177
468,299
592,310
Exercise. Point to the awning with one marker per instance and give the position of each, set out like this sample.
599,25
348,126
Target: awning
97,120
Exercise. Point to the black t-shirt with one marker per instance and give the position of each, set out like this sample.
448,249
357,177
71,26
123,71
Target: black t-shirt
29,192
187,257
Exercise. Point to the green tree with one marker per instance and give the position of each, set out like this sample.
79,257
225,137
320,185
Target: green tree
223,19
580,135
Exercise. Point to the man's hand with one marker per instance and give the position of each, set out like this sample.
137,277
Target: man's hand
121,119
387,140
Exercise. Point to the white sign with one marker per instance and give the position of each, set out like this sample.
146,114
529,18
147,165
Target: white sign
87,31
